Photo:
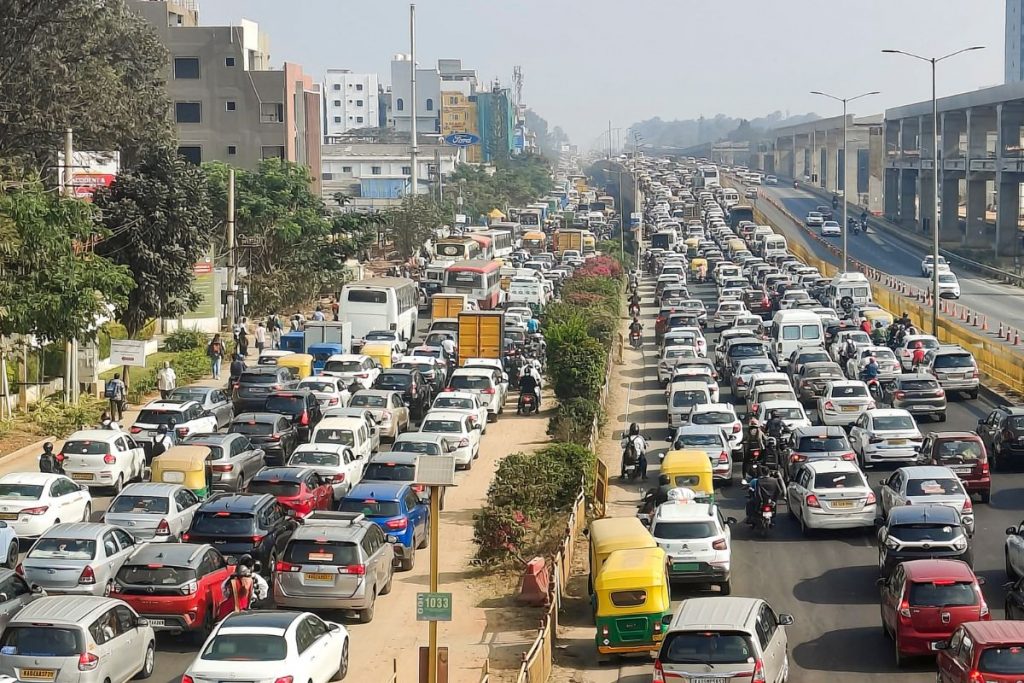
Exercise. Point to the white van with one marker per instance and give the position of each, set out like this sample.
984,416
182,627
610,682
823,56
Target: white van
664,239
775,245
791,330
527,291
760,233
852,285
682,397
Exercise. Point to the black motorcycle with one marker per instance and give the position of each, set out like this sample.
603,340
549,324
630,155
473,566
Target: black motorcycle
630,464
527,404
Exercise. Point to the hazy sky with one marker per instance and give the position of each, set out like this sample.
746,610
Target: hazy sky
588,61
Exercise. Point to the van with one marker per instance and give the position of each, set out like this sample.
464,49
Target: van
851,288
664,239
760,233
682,397
793,329
775,245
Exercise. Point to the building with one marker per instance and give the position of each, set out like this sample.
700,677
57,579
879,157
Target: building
495,122
428,97
228,104
376,175
350,101
454,78
1013,61
459,115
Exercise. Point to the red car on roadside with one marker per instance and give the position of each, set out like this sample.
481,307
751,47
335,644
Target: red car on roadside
988,651
965,454
299,489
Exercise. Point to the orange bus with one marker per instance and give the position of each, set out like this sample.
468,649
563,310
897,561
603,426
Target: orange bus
479,279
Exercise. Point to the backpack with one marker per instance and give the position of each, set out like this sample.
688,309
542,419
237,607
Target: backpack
110,389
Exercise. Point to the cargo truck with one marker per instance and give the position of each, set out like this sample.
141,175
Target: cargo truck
444,305
481,335
568,239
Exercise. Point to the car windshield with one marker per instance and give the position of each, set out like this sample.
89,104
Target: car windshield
154,575
790,413
442,426
343,366
379,335
822,444
343,437
746,350
223,524
471,382
389,471
883,423
954,360
156,417
361,400
699,440
933,487
321,552
1007,660
712,418
63,549
707,648
189,394
688,397
684,530
849,391
421,447
25,491
457,403
370,507
140,505
274,487
258,378
942,594
246,647
42,641
947,277
315,458
959,451
922,385
838,480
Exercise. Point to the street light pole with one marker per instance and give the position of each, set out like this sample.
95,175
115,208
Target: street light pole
846,164
935,175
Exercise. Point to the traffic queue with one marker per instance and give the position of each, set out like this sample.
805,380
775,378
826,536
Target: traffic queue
809,384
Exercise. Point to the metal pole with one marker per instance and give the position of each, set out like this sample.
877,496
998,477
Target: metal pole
435,530
71,348
414,149
232,261
609,139
935,208
846,253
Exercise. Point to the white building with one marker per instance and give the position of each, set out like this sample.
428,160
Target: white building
350,101
454,78
377,175
428,97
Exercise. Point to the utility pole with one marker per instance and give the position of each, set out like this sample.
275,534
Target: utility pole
232,260
609,139
67,186
414,150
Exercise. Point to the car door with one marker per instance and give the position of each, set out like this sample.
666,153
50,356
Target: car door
400,411
213,572
888,595
1015,550
251,459
798,489
186,503
220,406
70,499
373,546
472,433
305,660
125,546
353,467
321,494
14,594
127,461
986,429
128,641
113,656
946,662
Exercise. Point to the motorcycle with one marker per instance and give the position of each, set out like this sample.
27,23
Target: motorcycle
795,184
764,519
634,340
630,464
527,404
634,309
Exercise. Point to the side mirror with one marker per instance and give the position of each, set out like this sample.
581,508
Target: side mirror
141,621
504,377
981,580
391,538
37,589
4,597
786,619
880,582
1011,531
333,627
668,439
667,620
83,487
1008,585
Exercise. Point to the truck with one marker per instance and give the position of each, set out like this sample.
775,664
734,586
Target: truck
443,305
481,335
568,239
531,219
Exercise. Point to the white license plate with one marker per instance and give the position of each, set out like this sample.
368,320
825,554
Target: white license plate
962,470
157,622
766,514
704,679
841,503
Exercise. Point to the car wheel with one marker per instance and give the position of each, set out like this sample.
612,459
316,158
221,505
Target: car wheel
391,578
805,530
148,663
407,563
366,615
12,556
425,541
1010,574
900,659
200,635
87,513
985,496
108,589
342,671
119,484
469,465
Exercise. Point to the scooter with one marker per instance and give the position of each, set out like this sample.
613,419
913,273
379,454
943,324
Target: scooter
527,404
634,340
630,465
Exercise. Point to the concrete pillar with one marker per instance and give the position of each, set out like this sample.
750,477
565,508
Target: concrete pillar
799,153
950,220
1007,213
926,195
830,165
979,123
908,198
952,125
850,169
977,231
925,126
891,194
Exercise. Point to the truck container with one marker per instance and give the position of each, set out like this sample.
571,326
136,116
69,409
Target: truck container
481,334
568,239
444,305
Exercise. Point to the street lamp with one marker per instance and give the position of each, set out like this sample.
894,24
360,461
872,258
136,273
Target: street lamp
846,163
935,176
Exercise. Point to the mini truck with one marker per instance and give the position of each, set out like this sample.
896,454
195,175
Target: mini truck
481,335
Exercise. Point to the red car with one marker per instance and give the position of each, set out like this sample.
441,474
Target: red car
988,651
965,454
178,587
299,489
924,601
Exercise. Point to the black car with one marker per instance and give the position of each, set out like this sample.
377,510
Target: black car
431,371
921,532
1014,604
410,383
255,384
243,523
826,212
1002,432
272,432
298,405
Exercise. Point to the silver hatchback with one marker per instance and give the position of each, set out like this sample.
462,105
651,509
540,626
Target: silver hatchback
77,558
153,511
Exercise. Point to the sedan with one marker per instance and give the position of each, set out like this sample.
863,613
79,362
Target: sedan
32,502
829,228
831,494
327,389
153,511
927,485
463,401
745,369
79,558
843,402
814,378
919,393
336,464
210,399
722,415
885,435
814,219
458,430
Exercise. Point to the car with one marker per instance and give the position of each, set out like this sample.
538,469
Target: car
771,180
726,313
723,416
911,532
860,340
955,369
352,367
927,485
300,406
740,378
102,458
363,413
77,558
459,429
422,443
669,357
463,401
814,219
750,193
712,440
350,432
415,390
234,459
32,502
299,489
830,228
924,601
830,494
334,463
691,373
178,587
885,435
272,432
813,378
888,366
803,355
387,336
682,398
990,649
965,454
15,593
949,286
336,561
790,411
825,211
153,511
811,444
249,392
398,510
434,370
398,466
697,541
210,399
928,263
272,645
905,351
480,381
328,390
388,409
179,417
843,401
1002,432
237,524
918,393
9,546
83,638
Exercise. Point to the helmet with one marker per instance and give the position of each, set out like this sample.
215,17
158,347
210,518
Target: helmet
681,493
918,344
753,422
526,371
634,429
162,429
664,479
48,447
246,561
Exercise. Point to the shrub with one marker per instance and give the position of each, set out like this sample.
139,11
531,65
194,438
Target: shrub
53,416
498,533
577,370
183,339
573,421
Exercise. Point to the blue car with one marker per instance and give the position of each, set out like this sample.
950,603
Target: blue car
397,509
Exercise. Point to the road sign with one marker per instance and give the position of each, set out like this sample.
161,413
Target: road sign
250,241
461,139
128,352
433,607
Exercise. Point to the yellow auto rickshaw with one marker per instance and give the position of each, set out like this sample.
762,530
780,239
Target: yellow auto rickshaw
631,600
185,465
380,352
690,469
299,364
609,534
698,266
692,245
877,315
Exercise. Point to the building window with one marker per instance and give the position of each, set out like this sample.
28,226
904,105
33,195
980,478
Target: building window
272,152
359,86
375,170
337,86
346,169
337,119
232,150
359,119
407,170
229,61
430,104
271,112
453,100
191,154
230,105
327,176
186,67
337,103
399,105
359,103
188,112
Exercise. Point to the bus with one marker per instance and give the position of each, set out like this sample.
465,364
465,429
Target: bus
740,212
512,226
457,249
502,243
534,241
486,246
379,303
480,279
530,219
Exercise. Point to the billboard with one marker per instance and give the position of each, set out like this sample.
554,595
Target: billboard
91,170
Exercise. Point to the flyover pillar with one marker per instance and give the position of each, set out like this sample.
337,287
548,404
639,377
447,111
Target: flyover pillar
950,221
977,230
1007,213
926,195
799,156
891,194
908,197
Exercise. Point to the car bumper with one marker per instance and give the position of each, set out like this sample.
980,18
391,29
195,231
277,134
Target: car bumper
959,384
96,589
404,552
831,419
32,527
893,558
704,573
865,517
921,407
979,485
173,623
676,419
361,599
898,454
98,478
463,456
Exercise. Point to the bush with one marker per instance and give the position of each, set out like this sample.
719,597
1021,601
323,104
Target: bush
573,420
54,417
499,533
183,339
577,370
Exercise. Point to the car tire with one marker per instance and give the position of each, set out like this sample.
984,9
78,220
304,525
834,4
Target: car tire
900,659
407,563
391,579
972,394
12,555
148,663
725,588
342,671
87,513
200,635
108,589
119,484
366,615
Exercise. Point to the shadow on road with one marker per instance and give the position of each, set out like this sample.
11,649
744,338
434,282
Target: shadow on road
1008,499
855,650
840,586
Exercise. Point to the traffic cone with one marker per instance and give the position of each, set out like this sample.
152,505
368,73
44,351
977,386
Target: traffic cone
999,333
974,320
984,324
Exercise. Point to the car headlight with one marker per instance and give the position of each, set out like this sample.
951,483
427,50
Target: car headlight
960,544
891,543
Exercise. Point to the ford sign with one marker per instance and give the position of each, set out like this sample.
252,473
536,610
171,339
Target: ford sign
461,139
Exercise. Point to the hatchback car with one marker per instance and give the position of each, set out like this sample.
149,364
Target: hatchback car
955,369
722,415
397,509
415,390
336,464
965,454
697,541
233,459
434,371
153,511
913,532
250,390
712,440
210,399
77,558
239,524
390,414
32,502
843,401
918,393
299,489
1002,432
181,417
809,444
422,443
272,432
459,429
352,367
482,382
885,435
814,377
927,485
300,406
329,391
102,458
831,494
982,650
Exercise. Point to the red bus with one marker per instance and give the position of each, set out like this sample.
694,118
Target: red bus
480,279
486,249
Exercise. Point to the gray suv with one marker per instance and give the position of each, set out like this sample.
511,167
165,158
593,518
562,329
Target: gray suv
955,369
337,561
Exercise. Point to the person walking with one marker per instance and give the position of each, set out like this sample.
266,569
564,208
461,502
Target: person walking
318,314
166,380
115,391
215,350
243,342
261,337
275,335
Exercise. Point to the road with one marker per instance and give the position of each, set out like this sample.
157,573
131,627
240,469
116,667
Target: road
827,583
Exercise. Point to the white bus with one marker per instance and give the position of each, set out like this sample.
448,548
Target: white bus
502,243
380,303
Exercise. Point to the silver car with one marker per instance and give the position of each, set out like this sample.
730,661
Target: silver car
712,440
153,511
927,485
209,398
235,459
78,639
79,558
15,593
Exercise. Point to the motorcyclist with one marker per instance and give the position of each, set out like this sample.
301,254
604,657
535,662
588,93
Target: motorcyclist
918,354
870,371
656,496
528,384
634,298
533,325
764,489
753,441
775,426
636,327
878,334
48,462
849,350
635,439
241,584
865,326
107,422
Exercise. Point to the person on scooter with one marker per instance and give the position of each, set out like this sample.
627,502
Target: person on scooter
528,385
636,327
917,359
870,371
878,334
775,426
48,462
764,489
634,303
656,496
635,439
753,442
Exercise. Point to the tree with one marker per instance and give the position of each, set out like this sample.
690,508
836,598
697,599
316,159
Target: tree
92,65
51,284
161,224
414,222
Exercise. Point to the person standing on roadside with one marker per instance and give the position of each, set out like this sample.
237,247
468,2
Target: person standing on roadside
261,337
243,341
166,380
318,314
215,350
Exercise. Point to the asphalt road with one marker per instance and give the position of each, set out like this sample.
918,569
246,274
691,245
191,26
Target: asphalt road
827,582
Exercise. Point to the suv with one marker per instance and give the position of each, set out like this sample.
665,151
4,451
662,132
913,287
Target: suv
415,390
300,406
982,651
696,539
234,459
300,489
955,369
243,524
918,393
912,532
181,417
962,452
272,432
1002,432
397,509
336,561
743,633
250,390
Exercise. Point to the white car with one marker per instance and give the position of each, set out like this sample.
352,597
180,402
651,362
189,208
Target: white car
927,485
463,401
9,546
106,458
498,368
771,180
337,463
699,373
722,415
885,435
906,350
814,219
670,355
327,389
843,401
182,417
830,228
697,541
949,286
458,429
269,645
928,263
791,412
860,339
32,502
794,298
398,345
727,312
480,381
831,494
352,367
888,365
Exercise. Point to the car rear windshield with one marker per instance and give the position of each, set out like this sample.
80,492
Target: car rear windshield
456,403
156,417
394,381
849,391
921,533
150,575
713,418
958,451
1002,660
26,491
371,507
315,458
42,641
790,413
316,552
942,594
919,385
954,360
248,647
91,447
361,400
838,480
822,444
253,428
381,471
258,378
684,530
892,422
698,440
472,382
317,386
746,350
225,523
343,366
442,426
813,357
343,437
707,647
287,405
63,549
422,447
933,487
142,505
688,398
274,488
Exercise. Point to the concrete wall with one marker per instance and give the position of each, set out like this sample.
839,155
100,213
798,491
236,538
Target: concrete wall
343,90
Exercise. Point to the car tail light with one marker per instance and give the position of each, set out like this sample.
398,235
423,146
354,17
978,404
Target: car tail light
968,506
41,510
163,528
758,676
870,500
975,676
489,391
333,401
900,395
905,608
256,540
720,544
276,387
659,673
282,566
812,501
236,385
87,577
110,459
449,389
354,569
221,468
984,468
185,537
339,478
399,524
182,432
829,405
796,457
736,428
849,455
190,588
975,374
87,661
135,430
723,457
876,439
304,419
766,508
187,679
275,437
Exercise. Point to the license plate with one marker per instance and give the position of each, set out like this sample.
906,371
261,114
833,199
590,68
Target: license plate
157,622
38,674
685,566
320,577
705,679
840,503
766,515
936,644
849,409
897,442
962,470
81,476
9,515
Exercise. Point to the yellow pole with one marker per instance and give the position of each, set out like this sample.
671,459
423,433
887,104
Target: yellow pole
435,528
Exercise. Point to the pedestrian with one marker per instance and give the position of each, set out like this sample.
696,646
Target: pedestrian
215,351
237,368
243,342
166,380
275,335
335,310
115,392
261,337
318,314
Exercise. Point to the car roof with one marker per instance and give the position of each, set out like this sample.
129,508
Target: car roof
264,618
291,474
37,478
63,609
827,466
938,569
945,436
715,612
103,435
385,457
257,417
916,514
175,406
442,414
398,371
171,554
261,370
150,488
888,412
232,502
211,439
914,376
378,489
341,422
819,430
348,356
688,510
1013,410
85,530
927,471
995,632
